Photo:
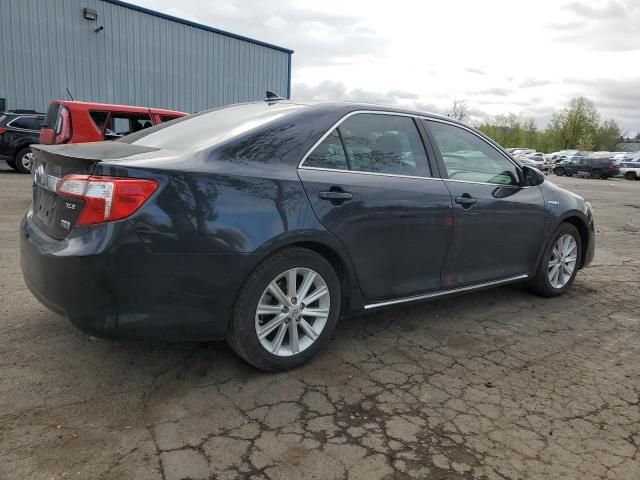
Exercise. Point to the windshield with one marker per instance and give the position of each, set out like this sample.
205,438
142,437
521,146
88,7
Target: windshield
205,129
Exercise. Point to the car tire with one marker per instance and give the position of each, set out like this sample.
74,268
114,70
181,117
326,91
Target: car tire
275,351
559,171
23,160
596,173
543,282
631,176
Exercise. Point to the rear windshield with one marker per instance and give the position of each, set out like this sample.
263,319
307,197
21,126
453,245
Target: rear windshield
52,115
205,129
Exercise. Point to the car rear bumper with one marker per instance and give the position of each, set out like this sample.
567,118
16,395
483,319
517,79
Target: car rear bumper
108,284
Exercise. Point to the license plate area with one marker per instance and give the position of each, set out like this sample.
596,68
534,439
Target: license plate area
44,205
53,214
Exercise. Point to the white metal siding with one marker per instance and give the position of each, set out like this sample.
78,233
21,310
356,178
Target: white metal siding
138,59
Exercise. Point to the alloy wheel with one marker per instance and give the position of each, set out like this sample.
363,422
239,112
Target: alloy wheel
563,261
292,312
27,160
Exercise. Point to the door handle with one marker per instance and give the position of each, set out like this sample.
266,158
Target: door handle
335,195
466,200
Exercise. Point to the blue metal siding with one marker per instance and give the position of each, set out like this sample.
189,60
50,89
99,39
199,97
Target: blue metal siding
140,58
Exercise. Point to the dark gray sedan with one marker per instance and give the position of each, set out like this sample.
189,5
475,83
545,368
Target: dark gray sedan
264,223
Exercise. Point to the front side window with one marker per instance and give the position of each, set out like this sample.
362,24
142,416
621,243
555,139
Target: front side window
384,144
329,154
469,158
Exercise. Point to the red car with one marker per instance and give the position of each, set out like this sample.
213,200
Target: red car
80,122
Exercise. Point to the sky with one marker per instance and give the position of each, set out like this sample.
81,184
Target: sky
523,57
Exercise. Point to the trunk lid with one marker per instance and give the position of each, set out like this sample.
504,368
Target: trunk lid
55,215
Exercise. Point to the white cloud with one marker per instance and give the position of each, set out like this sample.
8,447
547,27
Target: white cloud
500,55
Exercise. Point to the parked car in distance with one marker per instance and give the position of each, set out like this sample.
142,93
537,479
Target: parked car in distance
18,130
564,155
591,166
621,157
630,170
538,157
523,151
525,160
81,122
262,223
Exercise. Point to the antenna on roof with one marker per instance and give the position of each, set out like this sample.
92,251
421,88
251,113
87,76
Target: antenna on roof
272,97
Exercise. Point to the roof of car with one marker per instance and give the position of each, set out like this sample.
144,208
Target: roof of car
347,107
113,106
23,113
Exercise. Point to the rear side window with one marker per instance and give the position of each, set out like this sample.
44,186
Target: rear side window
374,143
99,118
384,144
27,123
120,125
329,154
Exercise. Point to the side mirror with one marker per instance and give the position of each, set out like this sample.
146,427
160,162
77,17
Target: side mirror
532,176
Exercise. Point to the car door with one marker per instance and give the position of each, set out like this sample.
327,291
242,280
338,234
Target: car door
370,182
497,223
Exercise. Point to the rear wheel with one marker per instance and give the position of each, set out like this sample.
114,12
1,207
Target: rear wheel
559,171
596,173
286,311
560,262
630,176
24,159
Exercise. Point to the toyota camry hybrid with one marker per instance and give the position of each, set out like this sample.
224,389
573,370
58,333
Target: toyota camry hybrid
264,223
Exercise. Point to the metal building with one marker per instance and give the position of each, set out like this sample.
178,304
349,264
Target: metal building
114,52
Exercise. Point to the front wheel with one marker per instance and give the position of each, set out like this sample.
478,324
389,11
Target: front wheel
559,171
286,310
24,159
560,262
630,176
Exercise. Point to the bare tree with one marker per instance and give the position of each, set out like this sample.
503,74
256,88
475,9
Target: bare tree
459,110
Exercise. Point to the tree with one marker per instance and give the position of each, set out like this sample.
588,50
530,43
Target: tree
459,110
574,127
607,135
578,121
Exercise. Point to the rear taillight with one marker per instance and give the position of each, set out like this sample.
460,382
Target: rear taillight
2,130
106,199
63,126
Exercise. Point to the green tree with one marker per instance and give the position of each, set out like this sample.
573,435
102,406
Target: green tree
607,135
574,127
578,121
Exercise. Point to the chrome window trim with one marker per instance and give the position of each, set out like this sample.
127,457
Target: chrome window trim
358,172
415,116
359,112
443,293
23,129
464,127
